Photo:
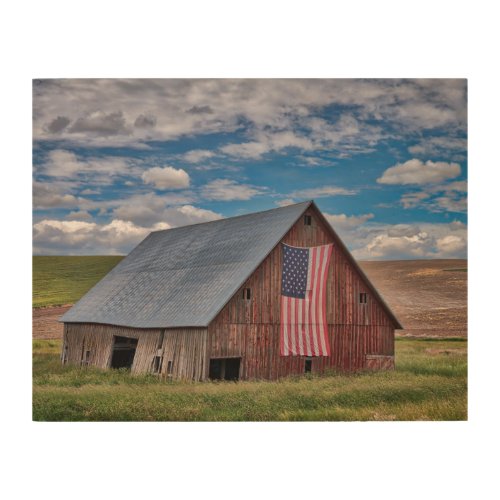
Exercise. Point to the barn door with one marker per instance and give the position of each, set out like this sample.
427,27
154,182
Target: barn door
123,352
224,369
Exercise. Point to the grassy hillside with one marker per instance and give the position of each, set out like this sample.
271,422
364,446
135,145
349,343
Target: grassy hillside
63,280
429,383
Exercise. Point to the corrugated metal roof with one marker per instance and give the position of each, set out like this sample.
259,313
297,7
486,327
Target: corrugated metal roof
184,276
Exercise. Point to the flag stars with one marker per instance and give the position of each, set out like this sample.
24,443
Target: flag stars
294,276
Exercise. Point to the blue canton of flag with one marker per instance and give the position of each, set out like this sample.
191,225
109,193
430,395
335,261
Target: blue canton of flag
294,275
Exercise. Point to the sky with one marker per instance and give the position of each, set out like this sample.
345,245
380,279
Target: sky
384,160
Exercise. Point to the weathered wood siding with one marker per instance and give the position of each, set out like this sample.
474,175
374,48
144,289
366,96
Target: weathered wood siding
258,348
250,328
185,348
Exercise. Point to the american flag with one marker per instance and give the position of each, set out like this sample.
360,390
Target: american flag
304,331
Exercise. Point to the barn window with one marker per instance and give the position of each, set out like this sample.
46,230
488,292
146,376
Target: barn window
246,294
157,362
307,220
363,298
160,340
308,365
170,367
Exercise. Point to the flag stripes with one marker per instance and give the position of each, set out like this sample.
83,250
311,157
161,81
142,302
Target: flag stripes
304,330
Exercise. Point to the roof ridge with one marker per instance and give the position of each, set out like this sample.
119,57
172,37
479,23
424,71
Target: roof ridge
233,217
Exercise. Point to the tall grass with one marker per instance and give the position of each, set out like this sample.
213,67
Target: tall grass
429,383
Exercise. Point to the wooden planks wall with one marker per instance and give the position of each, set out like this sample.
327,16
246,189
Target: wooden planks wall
250,328
343,287
185,347
258,347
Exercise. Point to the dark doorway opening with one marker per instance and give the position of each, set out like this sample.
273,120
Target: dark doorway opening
308,365
123,352
224,369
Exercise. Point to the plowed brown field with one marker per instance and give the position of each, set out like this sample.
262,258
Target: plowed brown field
45,324
429,297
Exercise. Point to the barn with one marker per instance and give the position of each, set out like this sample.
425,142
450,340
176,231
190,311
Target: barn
212,301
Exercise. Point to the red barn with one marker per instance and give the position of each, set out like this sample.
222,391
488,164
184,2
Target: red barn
205,301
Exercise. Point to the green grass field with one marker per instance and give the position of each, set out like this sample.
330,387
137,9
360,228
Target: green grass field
64,280
429,383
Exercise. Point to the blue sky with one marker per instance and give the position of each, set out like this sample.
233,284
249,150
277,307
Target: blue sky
385,160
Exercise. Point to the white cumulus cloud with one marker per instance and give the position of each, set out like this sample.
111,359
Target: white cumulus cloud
228,189
166,178
285,202
118,236
406,241
65,164
451,147
47,195
417,172
343,221
150,208
197,155
451,197
451,244
79,237
79,215
387,246
322,192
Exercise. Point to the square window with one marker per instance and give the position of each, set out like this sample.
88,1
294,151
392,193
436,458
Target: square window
363,298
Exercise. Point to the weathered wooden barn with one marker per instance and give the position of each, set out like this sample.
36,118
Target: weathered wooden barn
203,301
